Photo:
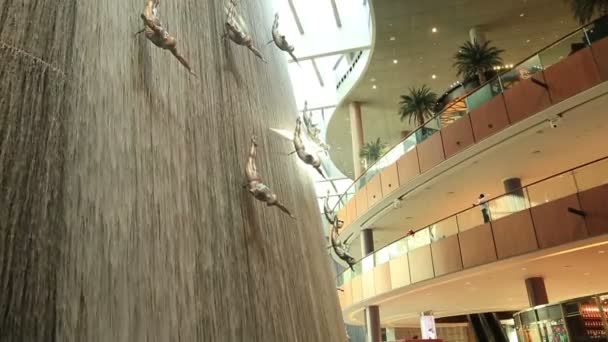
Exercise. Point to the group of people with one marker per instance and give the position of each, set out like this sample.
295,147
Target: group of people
158,35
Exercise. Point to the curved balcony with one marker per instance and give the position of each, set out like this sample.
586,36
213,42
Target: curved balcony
536,85
567,207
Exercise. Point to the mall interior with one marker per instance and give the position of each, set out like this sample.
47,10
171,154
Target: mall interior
304,170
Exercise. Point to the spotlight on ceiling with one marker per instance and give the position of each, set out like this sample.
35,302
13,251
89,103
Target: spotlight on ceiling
395,61
434,30
392,38
433,76
374,86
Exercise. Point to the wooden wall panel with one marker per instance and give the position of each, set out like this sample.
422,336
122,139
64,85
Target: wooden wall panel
430,152
489,118
382,278
514,234
421,264
357,289
526,98
457,136
408,166
361,201
564,82
600,53
446,255
594,203
400,272
477,246
555,225
374,191
351,208
390,179
367,284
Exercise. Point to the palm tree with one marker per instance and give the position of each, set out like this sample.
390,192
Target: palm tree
419,104
372,151
583,10
474,59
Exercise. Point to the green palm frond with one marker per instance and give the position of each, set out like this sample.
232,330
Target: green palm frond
474,59
418,105
372,151
584,10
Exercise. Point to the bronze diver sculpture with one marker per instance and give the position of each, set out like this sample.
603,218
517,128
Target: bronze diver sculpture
235,32
157,34
280,41
330,215
256,187
340,248
308,158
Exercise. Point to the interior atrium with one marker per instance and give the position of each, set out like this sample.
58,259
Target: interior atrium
304,170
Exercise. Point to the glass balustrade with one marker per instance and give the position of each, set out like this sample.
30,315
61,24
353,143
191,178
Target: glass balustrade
581,179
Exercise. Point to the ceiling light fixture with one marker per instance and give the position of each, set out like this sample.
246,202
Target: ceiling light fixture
468,283
395,61
587,274
373,79
392,38
522,14
374,86
433,76
601,252
434,30
524,269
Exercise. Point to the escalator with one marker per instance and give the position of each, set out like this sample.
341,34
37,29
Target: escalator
487,327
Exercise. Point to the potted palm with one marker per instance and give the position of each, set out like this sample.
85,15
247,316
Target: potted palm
584,10
475,60
418,105
372,151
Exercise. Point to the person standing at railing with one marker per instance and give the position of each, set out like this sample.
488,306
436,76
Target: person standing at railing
482,202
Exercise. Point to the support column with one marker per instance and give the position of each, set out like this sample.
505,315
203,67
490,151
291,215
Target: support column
372,324
537,293
517,199
356,129
476,34
367,241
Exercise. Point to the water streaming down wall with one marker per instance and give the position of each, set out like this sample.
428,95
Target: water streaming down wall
123,216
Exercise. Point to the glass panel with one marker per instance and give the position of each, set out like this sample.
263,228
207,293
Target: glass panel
419,239
551,189
483,94
508,204
398,248
592,176
524,70
443,229
382,256
368,263
471,218
427,130
563,49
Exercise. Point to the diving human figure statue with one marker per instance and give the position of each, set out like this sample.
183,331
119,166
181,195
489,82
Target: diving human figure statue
157,34
256,187
339,248
330,215
234,32
308,158
280,41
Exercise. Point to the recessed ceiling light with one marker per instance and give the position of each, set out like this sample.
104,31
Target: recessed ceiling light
528,40
433,76
374,86
522,14
524,269
434,30
373,79
601,252
395,61
392,38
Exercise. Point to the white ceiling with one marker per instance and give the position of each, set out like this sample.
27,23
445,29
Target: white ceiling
421,53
